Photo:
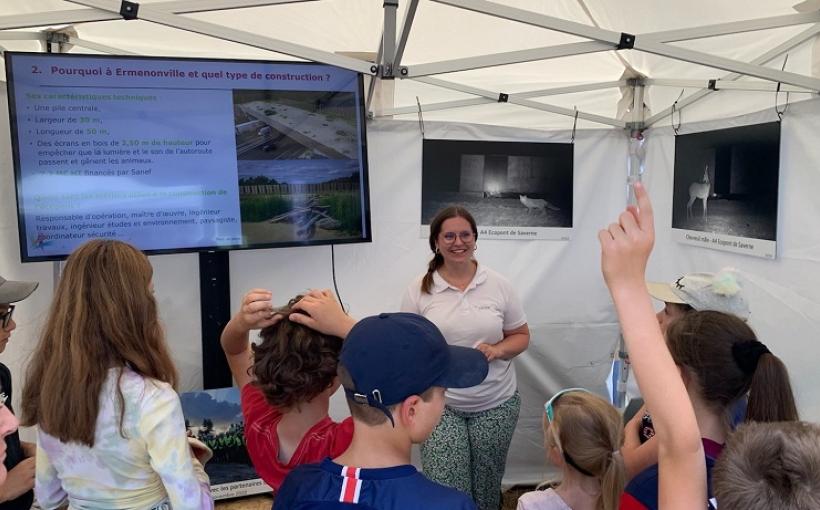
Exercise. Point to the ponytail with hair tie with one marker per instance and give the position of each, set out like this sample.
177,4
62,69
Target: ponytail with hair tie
747,355
729,362
771,398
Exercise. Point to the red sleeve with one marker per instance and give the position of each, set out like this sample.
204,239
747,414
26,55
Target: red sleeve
261,440
628,502
344,434
325,439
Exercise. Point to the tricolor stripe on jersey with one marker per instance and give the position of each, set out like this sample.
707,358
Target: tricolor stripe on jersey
351,486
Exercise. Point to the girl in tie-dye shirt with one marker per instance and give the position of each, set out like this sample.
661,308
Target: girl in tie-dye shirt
101,389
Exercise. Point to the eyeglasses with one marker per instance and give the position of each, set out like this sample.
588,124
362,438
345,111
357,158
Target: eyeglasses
5,317
549,409
450,237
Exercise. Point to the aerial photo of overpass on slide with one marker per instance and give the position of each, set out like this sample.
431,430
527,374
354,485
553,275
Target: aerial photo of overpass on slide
255,137
334,138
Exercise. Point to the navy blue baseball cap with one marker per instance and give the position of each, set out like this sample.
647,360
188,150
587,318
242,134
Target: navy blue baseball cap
392,356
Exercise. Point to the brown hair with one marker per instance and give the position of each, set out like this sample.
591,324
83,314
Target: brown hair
366,414
103,316
294,363
707,343
436,262
770,465
591,433
683,307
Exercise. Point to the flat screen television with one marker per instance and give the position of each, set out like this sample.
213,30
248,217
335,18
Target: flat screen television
181,155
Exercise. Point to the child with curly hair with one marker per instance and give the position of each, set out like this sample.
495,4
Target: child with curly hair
286,380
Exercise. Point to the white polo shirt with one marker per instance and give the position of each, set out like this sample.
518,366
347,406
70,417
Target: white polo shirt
480,314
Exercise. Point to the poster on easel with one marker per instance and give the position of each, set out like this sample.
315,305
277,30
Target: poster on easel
215,418
514,190
725,192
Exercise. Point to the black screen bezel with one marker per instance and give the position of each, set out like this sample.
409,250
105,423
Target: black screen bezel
24,255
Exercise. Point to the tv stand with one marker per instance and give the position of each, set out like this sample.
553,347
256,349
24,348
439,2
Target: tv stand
215,309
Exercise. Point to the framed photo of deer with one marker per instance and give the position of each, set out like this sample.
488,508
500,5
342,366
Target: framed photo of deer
725,193
515,190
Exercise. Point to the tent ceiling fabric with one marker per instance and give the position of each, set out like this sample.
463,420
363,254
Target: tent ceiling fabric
443,32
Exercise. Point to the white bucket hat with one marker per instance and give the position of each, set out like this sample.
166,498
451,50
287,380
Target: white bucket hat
719,291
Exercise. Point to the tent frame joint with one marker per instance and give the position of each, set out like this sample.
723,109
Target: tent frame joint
55,37
129,10
386,72
503,98
627,41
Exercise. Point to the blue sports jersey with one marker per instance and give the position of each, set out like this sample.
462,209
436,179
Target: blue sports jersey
641,492
328,485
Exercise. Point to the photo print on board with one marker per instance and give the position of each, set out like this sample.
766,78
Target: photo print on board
215,418
725,193
515,190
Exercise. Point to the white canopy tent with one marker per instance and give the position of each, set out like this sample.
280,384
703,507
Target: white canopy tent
549,57
453,59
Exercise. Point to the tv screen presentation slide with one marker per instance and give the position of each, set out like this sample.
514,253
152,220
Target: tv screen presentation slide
178,155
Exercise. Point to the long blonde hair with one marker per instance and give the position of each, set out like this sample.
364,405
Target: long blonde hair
591,432
103,316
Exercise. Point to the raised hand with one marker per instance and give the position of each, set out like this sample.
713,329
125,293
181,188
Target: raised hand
626,245
256,311
323,313
625,249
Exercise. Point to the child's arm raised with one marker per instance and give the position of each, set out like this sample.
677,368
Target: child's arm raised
256,312
625,249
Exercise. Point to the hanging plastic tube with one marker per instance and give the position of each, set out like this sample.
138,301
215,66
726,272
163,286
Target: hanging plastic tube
635,166
635,163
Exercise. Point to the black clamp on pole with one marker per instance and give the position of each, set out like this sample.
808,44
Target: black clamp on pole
627,41
503,98
129,10
712,85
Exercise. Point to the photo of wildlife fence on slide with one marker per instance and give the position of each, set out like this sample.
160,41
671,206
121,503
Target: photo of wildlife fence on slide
514,190
726,185
298,166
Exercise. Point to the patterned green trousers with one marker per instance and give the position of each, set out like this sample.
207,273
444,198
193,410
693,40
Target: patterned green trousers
468,451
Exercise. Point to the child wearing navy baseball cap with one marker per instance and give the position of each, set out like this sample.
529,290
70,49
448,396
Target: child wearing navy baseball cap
394,368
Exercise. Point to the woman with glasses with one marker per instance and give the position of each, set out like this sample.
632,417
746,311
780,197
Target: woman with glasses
476,307
583,435
16,493
100,387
